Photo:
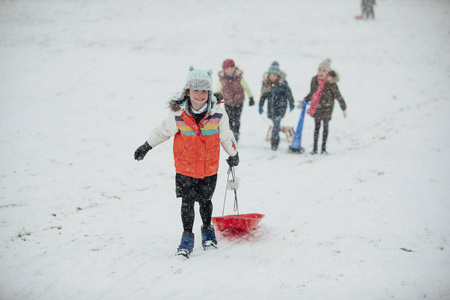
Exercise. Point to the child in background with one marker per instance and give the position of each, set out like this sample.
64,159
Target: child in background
367,9
324,90
276,91
200,126
232,85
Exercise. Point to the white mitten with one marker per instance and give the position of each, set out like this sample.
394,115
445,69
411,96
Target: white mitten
233,185
345,113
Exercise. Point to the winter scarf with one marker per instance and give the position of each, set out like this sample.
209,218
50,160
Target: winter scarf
316,97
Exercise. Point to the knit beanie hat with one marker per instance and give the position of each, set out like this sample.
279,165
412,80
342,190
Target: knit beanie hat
274,69
196,79
199,80
228,63
326,64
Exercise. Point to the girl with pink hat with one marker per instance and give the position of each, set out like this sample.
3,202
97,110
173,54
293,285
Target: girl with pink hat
231,87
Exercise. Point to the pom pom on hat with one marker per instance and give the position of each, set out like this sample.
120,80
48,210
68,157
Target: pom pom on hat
228,63
326,64
275,69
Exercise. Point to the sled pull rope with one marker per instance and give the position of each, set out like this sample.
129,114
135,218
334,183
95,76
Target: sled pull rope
236,206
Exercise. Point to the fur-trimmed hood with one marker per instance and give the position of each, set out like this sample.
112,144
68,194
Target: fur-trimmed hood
333,77
180,100
238,72
269,85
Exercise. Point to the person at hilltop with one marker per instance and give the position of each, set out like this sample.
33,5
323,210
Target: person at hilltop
276,91
232,86
200,126
367,9
324,91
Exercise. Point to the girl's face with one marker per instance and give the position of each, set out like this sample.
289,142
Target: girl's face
230,71
322,73
198,98
273,77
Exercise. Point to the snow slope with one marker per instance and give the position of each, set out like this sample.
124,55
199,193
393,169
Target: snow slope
83,82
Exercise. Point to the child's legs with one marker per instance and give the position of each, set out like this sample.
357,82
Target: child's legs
316,132
276,127
187,214
206,188
186,191
193,190
206,209
325,134
234,115
370,12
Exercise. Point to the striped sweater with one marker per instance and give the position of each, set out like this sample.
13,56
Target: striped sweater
196,147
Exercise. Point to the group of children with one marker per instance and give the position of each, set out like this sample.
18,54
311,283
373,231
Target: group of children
276,92
200,125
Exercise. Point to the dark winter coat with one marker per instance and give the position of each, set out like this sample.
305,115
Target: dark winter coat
330,92
278,96
368,3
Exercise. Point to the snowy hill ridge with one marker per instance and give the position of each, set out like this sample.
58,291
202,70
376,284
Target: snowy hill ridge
84,82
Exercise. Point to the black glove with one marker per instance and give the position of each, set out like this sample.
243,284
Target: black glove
233,161
140,152
251,101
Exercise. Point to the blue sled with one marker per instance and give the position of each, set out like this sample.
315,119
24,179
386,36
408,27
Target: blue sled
296,146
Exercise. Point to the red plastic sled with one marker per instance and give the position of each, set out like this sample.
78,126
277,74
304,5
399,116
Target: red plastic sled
242,223
358,17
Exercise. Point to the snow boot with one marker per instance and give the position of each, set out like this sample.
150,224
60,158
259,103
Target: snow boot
186,245
208,237
275,142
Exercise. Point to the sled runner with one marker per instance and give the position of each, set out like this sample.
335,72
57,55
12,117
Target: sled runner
296,146
239,222
287,130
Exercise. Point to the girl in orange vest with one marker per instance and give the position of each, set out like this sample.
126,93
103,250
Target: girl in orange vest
200,126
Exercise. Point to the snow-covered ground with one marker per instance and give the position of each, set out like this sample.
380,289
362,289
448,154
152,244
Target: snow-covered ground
83,83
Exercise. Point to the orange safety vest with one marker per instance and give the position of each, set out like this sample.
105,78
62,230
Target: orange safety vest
196,147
